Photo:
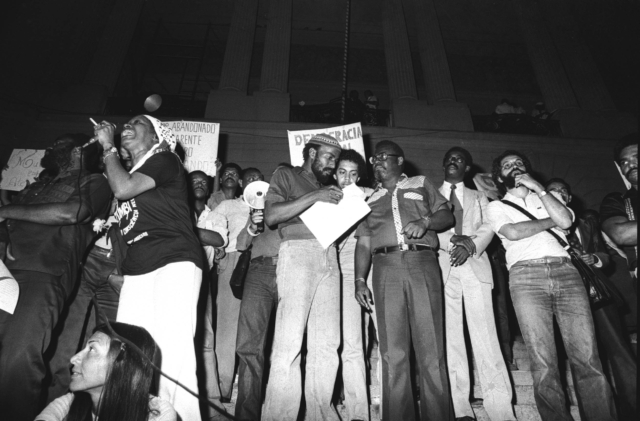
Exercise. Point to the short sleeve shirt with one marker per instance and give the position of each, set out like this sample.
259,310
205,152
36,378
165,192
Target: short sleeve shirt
289,184
53,249
413,198
157,224
537,246
615,204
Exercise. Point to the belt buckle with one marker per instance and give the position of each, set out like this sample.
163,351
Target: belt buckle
404,247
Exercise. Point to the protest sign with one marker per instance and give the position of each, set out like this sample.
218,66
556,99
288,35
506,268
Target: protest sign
199,139
349,136
23,166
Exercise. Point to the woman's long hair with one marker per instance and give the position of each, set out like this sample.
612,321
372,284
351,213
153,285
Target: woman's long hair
125,395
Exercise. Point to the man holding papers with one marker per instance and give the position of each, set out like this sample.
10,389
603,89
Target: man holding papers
308,279
400,233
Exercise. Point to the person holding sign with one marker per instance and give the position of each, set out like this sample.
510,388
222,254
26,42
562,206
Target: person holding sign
308,280
163,267
400,233
49,227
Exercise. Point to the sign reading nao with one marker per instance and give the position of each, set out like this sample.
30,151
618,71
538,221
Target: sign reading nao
349,136
23,166
199,140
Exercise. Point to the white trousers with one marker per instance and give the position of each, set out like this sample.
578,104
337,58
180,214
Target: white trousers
164,302
462,287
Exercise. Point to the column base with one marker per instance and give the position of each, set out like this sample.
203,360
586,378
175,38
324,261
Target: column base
415,114
84,98
588,124
234,105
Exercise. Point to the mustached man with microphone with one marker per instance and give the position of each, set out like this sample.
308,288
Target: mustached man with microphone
49,228
545,285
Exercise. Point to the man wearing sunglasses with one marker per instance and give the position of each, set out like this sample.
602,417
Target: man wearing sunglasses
400,234
544,284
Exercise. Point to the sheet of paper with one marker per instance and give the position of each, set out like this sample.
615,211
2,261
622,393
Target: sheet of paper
9,290
328,221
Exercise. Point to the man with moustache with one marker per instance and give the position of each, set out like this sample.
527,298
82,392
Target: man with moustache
544,284
400,234
308,281
468,281
49,229
228,219
618,211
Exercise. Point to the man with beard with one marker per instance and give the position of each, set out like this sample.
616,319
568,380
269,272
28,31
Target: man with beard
308,281
49,228
229,219
400,234
618,211
544,284
466,272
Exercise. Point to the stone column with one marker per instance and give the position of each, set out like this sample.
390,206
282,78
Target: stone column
582,71
237,55
547,65
435,66
277,46
402,83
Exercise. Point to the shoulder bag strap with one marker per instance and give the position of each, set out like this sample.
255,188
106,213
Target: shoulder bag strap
528,214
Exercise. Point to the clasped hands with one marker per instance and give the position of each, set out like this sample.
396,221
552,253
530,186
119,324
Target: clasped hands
462,246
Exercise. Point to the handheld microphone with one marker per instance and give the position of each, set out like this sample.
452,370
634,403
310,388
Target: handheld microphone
89,143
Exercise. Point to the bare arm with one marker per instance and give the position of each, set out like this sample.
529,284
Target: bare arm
67,213
124,185
277,212
210,238
558,212
362,265
441,219
622,231
519,230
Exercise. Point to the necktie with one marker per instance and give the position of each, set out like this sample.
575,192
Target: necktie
457,209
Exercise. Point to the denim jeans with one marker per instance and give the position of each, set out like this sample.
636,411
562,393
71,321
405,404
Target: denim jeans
407,290
259,299
539,292
78,325
308,281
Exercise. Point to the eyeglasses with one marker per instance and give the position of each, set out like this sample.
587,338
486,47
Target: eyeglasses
508,165
382,156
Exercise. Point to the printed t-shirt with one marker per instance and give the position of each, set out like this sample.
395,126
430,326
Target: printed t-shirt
157,223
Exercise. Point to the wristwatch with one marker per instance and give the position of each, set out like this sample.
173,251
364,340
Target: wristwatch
542,193
111,151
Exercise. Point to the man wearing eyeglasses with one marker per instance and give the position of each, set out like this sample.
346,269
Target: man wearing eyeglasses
468,281
400,234
544,284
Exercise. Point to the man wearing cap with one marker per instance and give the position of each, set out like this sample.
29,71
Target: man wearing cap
308,281
49,227
400,234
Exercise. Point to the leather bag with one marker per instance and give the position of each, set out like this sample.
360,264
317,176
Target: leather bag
240,273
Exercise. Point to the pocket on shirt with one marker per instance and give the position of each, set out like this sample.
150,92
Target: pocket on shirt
413,196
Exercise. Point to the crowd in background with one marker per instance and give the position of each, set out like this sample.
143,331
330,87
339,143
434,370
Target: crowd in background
125,260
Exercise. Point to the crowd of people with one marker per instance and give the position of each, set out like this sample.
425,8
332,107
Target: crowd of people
124,262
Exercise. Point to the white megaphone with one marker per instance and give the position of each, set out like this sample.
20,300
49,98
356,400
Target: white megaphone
254,195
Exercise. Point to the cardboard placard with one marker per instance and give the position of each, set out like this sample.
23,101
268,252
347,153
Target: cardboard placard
199,139
23,166
349,136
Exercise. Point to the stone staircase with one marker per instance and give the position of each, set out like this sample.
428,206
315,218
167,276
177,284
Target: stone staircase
522,381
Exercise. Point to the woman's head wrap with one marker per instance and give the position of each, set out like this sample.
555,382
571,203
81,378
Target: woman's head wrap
165,134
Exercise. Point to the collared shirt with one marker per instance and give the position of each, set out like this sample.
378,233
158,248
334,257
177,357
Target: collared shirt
228,219
203,222
413,198
215,199
537,246
54,249
289,184
446,188
617,204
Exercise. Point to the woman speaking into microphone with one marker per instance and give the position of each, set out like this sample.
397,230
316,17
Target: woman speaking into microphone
163,267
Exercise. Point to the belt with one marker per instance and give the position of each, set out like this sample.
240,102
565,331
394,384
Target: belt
265,260
548,259
403,247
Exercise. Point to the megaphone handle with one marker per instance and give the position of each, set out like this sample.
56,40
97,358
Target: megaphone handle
260,227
